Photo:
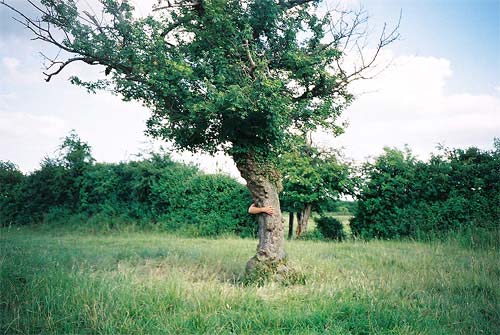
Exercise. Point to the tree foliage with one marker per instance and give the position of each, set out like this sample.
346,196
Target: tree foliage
10,179
312,176
225,75
313,179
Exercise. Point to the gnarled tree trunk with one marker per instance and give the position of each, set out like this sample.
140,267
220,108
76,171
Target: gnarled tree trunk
264,185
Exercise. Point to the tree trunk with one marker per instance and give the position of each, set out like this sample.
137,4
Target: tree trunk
299,227
290,225
263,182
303,220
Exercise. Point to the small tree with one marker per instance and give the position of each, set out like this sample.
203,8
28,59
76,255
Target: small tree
75,156
311,177
219,75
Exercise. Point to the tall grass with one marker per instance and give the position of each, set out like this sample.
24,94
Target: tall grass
58,281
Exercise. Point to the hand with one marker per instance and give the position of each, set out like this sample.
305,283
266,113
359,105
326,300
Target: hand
258,210
268,210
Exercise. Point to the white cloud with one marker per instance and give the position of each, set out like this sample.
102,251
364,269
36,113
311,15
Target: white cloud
219,163
11,64
22,124
25,138
408,104
16,69
143,7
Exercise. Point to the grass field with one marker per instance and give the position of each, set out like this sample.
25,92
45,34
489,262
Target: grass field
57,281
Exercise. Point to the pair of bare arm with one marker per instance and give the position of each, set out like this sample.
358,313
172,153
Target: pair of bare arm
258,210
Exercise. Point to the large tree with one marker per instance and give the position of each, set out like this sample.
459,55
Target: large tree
235,76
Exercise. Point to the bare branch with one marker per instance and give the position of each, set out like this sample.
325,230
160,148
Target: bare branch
62,65
37,27
37,7
51,60
355,38
94,21
250,59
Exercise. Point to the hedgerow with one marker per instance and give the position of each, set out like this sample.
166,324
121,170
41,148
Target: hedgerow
153,191
401,196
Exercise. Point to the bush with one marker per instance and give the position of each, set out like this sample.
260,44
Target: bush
211,205
10,179
73,189
331,228
312,235
403,197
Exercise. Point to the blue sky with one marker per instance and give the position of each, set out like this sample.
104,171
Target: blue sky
443,87
467,32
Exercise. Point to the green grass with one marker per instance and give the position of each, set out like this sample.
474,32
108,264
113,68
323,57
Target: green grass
57,281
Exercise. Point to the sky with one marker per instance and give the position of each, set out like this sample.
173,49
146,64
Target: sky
442,87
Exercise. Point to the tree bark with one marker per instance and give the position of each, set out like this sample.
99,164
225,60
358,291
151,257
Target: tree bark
303,220
290,225
298,232
264,185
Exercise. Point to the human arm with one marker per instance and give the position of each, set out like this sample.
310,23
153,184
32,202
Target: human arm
257,210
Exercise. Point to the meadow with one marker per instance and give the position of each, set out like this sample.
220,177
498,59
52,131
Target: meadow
63,281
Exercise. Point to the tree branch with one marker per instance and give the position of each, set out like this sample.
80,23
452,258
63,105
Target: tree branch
250,59
385,39
45,34
293,3
62,65
94,21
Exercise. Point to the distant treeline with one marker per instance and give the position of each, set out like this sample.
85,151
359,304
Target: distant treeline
401,196
155,190
396,196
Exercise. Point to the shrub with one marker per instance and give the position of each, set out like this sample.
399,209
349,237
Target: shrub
403,197
331,228
212,205
10,179
312,235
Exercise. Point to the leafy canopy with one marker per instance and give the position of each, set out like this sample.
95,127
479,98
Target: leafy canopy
226,75
311,176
